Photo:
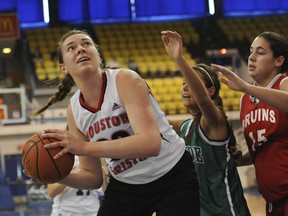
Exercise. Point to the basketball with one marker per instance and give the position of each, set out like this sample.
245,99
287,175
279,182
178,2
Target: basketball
39,164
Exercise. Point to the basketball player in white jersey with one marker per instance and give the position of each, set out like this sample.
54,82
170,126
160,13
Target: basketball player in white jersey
114,115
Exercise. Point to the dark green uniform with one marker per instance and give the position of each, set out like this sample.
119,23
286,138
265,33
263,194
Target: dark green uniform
221,191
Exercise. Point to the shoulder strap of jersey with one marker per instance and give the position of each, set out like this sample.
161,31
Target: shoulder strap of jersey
184,128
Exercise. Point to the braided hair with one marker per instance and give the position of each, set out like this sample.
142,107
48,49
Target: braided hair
63,89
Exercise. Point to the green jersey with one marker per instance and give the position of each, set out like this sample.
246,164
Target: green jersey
221,192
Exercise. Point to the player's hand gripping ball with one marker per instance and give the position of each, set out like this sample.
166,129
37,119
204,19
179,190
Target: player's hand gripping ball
39,164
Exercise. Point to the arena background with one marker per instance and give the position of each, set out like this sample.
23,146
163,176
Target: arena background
218,31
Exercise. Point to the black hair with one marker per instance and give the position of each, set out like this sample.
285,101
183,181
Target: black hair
210,79
279,46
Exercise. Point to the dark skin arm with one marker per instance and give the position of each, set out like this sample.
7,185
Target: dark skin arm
176,124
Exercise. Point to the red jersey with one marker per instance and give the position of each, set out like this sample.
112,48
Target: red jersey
266,133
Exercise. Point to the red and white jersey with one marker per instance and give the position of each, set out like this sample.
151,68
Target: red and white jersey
266,133
110,121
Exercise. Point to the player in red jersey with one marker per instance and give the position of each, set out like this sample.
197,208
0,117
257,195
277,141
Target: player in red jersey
264,117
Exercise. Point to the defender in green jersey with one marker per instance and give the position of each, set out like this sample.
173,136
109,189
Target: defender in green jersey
208,136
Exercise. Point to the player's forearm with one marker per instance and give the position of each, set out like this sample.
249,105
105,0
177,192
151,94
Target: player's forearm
245,160
134,146
55,189
273,97
83,179
192,78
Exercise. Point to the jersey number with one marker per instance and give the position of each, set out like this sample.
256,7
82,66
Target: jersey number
260,138
81,193
117,135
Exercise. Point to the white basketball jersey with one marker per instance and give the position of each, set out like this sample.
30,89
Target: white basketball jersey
76,202
109,121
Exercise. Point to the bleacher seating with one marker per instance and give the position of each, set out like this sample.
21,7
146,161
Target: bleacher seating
246,28
231,98
167,92
142,42
45,39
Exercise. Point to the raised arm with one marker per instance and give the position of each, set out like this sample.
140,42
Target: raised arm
212,117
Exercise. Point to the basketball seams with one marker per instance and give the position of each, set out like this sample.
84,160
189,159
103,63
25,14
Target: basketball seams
26,153
50,156
37,157
35,144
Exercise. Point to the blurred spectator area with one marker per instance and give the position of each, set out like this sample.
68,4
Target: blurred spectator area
168,92
45,40
142,42
246,28
3,109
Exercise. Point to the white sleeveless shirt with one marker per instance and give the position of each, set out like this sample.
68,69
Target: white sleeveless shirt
110,121
76,202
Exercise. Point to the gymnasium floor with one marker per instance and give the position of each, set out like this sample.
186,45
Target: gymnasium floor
255,202
40,205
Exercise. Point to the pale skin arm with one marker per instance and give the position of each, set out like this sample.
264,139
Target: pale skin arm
105,174
212,121
88,174
55,189
146,140
273,97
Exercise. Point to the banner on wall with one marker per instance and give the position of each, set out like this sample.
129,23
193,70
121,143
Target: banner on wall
9,26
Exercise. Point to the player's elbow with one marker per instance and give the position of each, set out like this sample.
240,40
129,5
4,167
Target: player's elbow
50,194
99,183
155,141
93,181
53,190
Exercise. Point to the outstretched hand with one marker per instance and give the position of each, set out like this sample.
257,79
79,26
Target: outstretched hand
173,43
66,141
236,153
232,80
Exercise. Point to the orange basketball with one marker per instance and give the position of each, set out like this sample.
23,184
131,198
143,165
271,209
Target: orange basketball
39,164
